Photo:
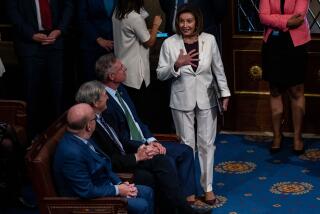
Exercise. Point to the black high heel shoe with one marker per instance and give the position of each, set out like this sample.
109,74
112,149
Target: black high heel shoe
274,150
299,151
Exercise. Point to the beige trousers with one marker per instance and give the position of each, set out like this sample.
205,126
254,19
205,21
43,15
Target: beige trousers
206,133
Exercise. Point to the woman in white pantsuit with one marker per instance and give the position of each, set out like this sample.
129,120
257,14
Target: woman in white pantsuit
191,59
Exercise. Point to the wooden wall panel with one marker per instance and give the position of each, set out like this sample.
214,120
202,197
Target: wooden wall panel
252,112
245,80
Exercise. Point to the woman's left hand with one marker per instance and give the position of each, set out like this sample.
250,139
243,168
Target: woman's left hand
225,101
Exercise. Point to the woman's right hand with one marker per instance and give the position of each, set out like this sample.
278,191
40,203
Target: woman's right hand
186,59
295,21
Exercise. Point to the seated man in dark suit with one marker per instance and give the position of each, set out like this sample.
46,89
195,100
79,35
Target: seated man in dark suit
149,167
82,170
123,118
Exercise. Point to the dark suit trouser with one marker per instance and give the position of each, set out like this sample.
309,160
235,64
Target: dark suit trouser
182,158
43,70
167,181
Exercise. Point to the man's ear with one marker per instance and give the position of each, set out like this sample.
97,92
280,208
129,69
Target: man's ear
94,105
88,127
111,76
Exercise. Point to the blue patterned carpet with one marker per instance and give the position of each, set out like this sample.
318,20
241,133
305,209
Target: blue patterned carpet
248,180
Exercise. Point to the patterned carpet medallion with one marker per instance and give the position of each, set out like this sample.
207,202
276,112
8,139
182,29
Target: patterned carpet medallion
247,179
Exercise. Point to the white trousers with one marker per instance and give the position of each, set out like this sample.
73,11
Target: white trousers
206,133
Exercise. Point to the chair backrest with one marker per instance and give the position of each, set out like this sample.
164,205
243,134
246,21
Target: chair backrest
14,113
39,159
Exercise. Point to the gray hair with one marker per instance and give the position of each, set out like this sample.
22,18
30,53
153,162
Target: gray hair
90,92
103,66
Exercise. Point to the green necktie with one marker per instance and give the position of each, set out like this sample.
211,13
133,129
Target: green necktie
134,132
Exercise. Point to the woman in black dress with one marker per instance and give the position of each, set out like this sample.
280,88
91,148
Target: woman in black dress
284,61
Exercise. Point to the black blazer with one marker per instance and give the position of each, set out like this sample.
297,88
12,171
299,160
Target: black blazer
23,16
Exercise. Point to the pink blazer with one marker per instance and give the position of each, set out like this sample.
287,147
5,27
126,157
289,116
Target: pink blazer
270,16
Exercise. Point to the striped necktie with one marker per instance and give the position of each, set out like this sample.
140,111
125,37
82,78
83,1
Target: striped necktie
112,134
134,131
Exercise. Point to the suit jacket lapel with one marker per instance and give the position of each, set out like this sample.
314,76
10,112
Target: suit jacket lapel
201,48
34,14
112,102
86,147
128,101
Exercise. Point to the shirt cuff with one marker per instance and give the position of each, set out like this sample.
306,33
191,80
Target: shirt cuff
117,189
175,73
151,139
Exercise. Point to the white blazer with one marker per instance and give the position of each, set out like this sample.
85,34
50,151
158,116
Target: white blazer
191,88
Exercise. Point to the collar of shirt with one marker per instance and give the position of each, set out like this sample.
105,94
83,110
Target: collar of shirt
82,139
113,95
98,117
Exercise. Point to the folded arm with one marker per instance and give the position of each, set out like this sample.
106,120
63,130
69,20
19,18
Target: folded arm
279,21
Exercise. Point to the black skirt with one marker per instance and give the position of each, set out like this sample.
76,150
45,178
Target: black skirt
283,64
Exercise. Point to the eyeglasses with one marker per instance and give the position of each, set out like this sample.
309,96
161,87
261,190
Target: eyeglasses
124,68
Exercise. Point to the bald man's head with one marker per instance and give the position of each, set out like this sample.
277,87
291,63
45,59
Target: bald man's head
79,116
